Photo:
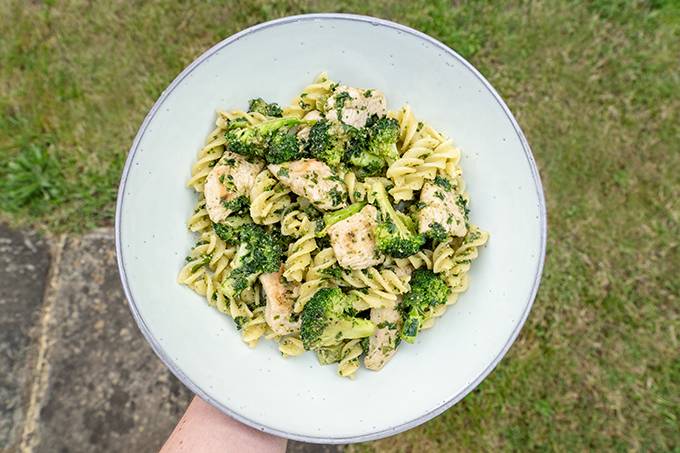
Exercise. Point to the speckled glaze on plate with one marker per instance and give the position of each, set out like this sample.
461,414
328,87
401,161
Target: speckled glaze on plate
296,397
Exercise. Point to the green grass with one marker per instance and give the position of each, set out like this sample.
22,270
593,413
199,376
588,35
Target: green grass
595,87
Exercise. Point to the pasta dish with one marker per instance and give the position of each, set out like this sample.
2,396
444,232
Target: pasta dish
333,225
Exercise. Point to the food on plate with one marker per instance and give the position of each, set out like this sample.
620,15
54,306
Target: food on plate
332,225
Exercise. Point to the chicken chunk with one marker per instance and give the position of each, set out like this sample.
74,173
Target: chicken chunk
383,343
443,206
354,106
232,177
279,306
313,180
353,240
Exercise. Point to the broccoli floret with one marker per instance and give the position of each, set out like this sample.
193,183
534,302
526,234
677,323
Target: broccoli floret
395,235
325,321
370,164
383,135
436,232
253,140
326,142
228,229
238,205
373,147
283,147
259,252
259,105
341,214
427,290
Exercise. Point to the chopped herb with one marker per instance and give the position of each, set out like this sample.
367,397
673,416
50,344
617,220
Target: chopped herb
418,205
203,260
368,93
334,271
337,197
443,182
283,172
462,203
439,194
333,178
237,205
240,321
340,100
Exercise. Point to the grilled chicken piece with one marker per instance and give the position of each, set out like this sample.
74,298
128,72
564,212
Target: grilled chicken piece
354,106
353,240
443,207
232,177
383,343
279,306
313,180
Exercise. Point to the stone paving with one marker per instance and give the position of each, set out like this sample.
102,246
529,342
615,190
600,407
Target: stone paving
78,375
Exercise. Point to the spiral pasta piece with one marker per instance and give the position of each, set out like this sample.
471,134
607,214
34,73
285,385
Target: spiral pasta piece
199,222
315,278
291,346
253,329
456,274
299,257
432,314
421,259
268,199
349,363
207,158
387,280
408,126
409,172
367,298
313,97
296,223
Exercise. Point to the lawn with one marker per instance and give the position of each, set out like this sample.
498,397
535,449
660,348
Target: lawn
595,85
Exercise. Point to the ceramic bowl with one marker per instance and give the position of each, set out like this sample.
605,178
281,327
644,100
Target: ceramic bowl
296,397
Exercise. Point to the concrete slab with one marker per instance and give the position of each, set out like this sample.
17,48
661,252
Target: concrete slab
80,375
106,390
24,262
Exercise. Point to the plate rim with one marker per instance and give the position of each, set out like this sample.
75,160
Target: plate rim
167,360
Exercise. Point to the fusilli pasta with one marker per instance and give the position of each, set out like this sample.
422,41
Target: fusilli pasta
275,246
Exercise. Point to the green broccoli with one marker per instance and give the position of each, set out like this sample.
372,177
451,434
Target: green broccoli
325,321
427,290
238,205
341,214
228,229
369,164
283,147
373,147
259,252
259,105
436,232
253,140
383,135
326,142
395,235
